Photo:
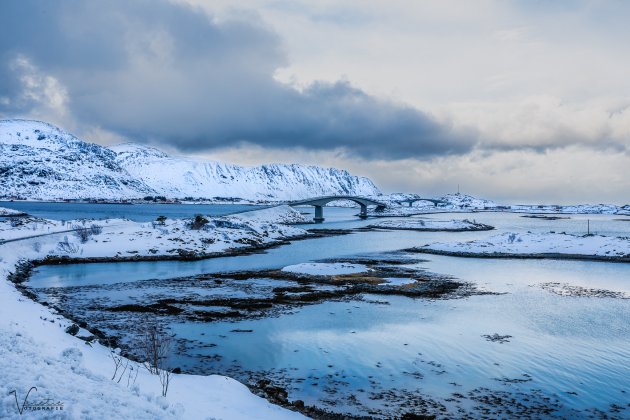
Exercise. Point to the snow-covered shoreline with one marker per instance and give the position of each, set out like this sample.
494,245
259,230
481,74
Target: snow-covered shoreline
36,351
464,225
537,245
4,212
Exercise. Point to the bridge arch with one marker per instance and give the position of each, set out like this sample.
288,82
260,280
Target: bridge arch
413,200
320,202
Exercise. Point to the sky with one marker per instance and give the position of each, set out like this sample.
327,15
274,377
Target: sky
518,101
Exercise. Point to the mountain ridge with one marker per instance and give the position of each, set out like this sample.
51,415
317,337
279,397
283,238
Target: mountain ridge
41,161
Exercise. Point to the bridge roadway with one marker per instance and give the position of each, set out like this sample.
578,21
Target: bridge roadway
320,202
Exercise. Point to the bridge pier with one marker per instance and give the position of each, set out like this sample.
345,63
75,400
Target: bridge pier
363,213
410,203
319,214
320,202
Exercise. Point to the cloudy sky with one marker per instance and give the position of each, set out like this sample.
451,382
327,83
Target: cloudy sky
518,101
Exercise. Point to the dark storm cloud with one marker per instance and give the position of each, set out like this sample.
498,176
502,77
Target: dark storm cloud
160,72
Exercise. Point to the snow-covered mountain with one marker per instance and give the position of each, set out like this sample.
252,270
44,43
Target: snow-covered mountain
40,161
186,177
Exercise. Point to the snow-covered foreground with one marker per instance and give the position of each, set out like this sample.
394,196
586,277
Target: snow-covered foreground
431,225
539,245
326,269
35,350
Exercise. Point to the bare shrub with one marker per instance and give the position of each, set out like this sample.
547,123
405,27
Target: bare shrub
513,237
37,246
96,229
154,348
198,222
82,233
160,220
123,365
165,380
67,247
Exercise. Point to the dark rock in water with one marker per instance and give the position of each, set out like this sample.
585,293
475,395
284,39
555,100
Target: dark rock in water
544,217
565,289
413,416
73,329
273,393
496,338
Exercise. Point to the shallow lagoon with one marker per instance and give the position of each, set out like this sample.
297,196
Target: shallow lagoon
570,353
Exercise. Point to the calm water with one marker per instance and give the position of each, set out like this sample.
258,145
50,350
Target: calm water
136,212
346,355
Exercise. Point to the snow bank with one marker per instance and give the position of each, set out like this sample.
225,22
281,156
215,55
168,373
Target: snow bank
539,244
9,212
326,269
278,214
570,209
399,281
36,351
463,201
431,225
124,238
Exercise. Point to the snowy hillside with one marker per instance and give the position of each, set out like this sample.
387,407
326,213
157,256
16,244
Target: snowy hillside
463,201
185,177
42,162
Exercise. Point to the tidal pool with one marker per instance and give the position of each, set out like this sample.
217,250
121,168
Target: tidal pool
564,353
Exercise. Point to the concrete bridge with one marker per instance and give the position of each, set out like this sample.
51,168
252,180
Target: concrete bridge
413,200
320,202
